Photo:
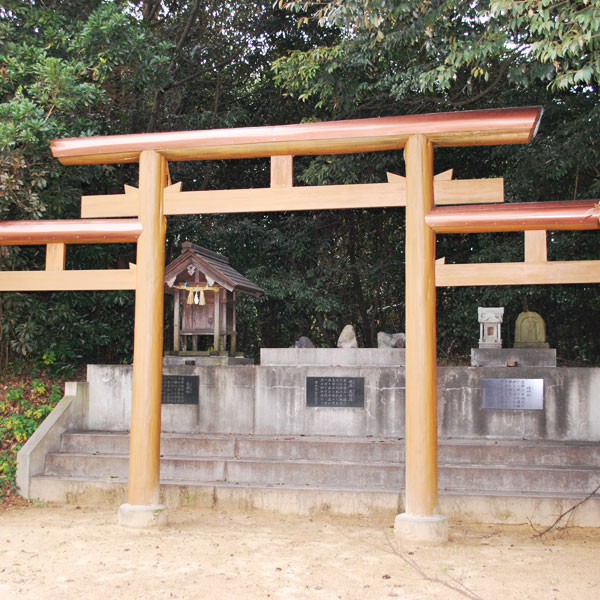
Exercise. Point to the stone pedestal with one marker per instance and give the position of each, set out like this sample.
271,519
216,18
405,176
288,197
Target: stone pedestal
143,517
515,357
431,530
194,359
333,357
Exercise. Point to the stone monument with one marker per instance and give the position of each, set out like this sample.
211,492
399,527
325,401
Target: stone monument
347,338
391,340
530,331
490,321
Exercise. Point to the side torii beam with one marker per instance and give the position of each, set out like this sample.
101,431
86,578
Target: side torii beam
418,135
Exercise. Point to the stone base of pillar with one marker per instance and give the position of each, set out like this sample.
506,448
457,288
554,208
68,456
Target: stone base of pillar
422,530
143,517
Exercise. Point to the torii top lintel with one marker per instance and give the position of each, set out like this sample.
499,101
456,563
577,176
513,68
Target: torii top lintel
468,128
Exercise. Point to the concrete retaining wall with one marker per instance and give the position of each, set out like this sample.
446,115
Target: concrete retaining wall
272,400
69,413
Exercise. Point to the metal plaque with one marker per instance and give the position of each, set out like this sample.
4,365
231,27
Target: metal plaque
512,394
179,389
339,392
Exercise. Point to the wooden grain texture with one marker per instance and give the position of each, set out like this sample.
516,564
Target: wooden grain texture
518,273
421,389
55,257
282,171
326,197
443,176
58,281
536,248
144,447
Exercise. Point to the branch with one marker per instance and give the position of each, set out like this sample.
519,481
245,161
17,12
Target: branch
184,34
460,587
151,8
570,510
225,61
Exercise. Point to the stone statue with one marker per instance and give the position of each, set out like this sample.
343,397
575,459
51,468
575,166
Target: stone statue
530,331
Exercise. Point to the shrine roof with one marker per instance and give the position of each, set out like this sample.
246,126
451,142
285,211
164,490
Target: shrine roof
212,264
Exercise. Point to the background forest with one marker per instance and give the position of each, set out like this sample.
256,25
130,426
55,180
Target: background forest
75,68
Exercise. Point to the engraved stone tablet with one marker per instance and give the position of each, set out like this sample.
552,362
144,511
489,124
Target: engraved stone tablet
512,394
341,392
179,389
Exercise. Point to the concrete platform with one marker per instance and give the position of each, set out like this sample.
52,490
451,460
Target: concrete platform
336,357
458,505
486,480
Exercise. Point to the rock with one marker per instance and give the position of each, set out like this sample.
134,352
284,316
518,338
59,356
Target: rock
347,338
303,342
390,340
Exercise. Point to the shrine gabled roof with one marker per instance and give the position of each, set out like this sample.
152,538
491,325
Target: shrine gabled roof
212,264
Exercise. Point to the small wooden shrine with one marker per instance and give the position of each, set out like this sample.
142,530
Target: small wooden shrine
204,287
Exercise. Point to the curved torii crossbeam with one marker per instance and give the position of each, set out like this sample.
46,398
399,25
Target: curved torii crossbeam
418,135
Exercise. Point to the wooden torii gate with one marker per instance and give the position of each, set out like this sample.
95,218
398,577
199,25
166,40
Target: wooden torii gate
153,200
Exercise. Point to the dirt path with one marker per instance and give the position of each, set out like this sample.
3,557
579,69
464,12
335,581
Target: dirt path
64,552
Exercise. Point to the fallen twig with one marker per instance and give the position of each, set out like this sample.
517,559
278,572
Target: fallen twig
567,512
457,586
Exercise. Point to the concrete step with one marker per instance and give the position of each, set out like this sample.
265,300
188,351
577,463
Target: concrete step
201,469
329,448
346,474
104,442
519,479
465,505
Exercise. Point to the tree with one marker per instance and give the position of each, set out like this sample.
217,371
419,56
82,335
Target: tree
415,56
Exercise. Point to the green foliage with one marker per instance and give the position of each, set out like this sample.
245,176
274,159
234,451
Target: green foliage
554,41
24,403
103,67
410,57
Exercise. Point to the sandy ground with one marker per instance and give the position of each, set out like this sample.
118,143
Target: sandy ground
65,552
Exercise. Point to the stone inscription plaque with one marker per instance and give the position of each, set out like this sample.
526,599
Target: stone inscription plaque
512,394
179,389
339,392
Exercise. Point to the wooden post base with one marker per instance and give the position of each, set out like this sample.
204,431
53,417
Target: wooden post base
431,530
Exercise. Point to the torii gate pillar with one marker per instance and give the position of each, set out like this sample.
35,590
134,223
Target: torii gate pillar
420,523
143,508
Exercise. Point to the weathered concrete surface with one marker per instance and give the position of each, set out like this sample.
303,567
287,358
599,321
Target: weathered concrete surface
226,399
281,403
272,400
366,464
421,530
69,413
466,506
523,357
335,357
143,517
571,405
110,397
194,359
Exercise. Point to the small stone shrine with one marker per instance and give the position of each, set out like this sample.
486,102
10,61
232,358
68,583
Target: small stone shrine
530,331
530,348
490,321
204,287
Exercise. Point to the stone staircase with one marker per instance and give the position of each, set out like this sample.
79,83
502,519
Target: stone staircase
491,480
